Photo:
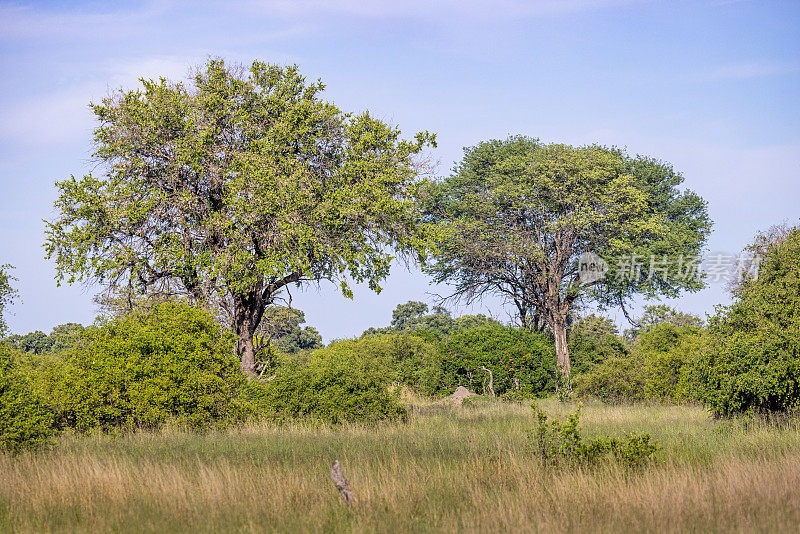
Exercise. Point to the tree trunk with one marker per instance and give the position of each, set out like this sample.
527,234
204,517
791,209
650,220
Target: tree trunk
562,351
244,310
246,350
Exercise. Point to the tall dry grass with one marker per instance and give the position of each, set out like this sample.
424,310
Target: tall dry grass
449,469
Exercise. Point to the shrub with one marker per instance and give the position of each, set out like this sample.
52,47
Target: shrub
330,385
657,367
167,363
405,358
24,421
561,443
513,395
586,351
615,380
751,360
518,359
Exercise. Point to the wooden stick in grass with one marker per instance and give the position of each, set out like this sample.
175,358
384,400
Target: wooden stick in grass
341,483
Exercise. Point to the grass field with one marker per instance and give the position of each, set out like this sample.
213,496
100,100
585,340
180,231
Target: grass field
449,469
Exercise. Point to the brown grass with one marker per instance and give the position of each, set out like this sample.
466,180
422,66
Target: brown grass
449,469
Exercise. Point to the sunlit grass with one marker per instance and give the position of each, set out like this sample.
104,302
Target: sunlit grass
449,469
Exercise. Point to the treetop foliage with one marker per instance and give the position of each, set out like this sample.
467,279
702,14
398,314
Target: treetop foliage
37,342
234,185
751,361
516,213
413,317
595,327
662,314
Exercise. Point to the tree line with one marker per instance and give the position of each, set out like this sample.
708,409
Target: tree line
171,363
215,196
230,188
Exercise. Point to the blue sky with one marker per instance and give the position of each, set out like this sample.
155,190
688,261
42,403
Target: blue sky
711,86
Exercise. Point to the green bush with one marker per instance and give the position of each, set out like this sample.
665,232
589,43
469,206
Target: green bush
167,363
751,360
586,351
24,422
513,395
330,385
657,368
518,359
617,380
406,358
560,443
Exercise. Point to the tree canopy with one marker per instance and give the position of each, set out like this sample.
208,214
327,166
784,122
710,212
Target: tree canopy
62,337
662,314
280,328
595,327
233,186
751,361
413,316
515,216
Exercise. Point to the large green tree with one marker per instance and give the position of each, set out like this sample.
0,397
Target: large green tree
751,358
233,186
516,215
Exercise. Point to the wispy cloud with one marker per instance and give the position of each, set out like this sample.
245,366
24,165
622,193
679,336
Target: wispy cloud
64,114
752,69
46,119
425,9
25,22
147,24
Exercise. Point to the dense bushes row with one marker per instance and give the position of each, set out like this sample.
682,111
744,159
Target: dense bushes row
746,360
24,420
654,367
518,360
171,363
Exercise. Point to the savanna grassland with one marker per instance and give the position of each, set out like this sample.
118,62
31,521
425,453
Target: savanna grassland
450,469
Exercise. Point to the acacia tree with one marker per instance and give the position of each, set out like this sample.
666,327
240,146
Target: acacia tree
515,216
230,188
